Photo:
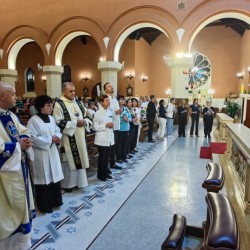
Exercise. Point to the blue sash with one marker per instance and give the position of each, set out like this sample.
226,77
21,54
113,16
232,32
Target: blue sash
14,136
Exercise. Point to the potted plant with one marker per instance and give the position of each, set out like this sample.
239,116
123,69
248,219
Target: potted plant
233,109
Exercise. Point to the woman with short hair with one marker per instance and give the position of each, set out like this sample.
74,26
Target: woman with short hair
47,169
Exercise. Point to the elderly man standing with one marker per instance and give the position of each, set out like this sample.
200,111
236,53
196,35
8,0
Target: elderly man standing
17,205
115,109
70,116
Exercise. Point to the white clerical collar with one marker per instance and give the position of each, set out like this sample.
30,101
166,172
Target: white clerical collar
66,99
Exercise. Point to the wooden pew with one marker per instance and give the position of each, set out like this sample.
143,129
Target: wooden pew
220,231
215,179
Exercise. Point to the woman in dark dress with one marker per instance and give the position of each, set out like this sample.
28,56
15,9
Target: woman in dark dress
182,118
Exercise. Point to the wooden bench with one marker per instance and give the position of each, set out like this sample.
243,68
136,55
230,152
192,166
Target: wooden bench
92,149
220,231
215,178
176,233
144,131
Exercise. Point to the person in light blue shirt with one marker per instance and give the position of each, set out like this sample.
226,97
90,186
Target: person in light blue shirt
123,134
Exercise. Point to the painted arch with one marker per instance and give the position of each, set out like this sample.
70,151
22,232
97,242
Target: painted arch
20,35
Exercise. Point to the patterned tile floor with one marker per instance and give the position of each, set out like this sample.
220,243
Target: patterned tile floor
135,210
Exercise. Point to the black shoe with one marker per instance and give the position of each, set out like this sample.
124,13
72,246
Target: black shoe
115,167
205,136
47,211
109,177
183,136
58,205
125,160
129,156
151,141
102,179
209,136
68,190
136,151
109,172
132,152
120,161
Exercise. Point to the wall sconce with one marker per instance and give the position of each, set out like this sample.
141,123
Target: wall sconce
248,69
240,75
144,78
129,76
44,78
210,91
168,92
86,78
39,67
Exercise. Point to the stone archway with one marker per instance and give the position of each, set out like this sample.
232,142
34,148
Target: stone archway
125,34
213,18
63,43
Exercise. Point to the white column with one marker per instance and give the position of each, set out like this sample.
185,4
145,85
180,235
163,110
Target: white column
179,81
9,76
53,80
109,73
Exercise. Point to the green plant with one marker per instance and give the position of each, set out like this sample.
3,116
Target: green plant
232,108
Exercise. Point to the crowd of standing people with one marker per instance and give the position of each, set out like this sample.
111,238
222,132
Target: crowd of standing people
51,154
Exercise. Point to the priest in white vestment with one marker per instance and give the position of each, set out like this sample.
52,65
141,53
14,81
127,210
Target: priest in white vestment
70,116
16,205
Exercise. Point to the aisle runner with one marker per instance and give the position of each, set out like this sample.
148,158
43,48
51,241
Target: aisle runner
84,214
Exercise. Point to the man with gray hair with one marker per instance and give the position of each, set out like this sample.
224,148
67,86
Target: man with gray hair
17,205
71,118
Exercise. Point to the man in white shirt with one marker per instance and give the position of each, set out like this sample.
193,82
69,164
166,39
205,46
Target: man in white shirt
115,109
104,136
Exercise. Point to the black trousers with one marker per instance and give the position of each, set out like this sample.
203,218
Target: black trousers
130,136
208,124
151,121
103,161
195,120
122,144
182,126
134,141
113,149
48,196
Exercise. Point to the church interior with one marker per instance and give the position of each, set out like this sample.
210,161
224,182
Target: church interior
184,49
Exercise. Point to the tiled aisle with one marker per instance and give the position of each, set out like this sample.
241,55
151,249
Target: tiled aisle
172,186
114,216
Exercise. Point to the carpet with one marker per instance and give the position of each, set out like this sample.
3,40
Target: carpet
218,147
205,153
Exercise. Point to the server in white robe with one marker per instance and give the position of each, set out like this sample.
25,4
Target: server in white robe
16,205
47,168
70,116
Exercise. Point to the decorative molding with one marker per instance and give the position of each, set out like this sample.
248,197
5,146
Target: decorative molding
106,41
180,33
1,53
48,46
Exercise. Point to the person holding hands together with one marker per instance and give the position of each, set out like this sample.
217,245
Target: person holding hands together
104,136
208,117
47,167
195,110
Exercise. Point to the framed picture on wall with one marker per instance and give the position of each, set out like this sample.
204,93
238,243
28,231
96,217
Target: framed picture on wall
129,90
